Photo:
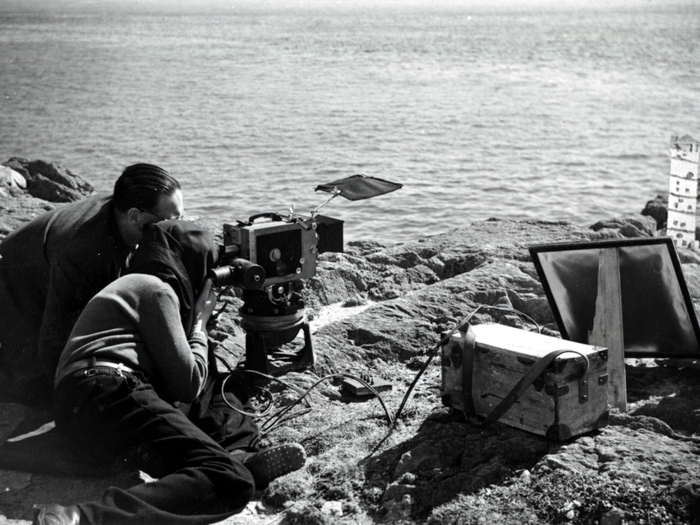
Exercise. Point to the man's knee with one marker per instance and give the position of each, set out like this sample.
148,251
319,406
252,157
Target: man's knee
233,483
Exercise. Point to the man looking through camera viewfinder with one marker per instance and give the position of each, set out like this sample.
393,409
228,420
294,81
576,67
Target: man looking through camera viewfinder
52,266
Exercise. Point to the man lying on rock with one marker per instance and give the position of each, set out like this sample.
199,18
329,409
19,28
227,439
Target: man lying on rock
139,346
52,266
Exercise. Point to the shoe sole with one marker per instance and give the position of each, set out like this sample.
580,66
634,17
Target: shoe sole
277,461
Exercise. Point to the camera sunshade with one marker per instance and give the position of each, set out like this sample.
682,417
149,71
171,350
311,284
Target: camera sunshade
358,187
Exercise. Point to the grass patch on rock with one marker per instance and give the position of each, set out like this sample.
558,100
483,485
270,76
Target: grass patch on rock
570,498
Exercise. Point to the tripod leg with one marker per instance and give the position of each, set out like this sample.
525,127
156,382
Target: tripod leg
276,361
256,353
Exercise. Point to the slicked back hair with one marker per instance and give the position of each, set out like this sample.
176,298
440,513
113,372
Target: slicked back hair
141,185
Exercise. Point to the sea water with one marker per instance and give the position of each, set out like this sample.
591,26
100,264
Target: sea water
555,112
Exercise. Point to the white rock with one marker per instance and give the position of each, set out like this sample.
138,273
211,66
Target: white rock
12,178
332,508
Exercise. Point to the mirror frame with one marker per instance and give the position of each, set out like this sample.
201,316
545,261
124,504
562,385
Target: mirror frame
683,315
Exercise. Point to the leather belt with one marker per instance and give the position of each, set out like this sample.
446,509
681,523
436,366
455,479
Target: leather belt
90,364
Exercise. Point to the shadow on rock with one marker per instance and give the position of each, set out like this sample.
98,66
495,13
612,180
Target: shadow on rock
448,457
669,393
682,414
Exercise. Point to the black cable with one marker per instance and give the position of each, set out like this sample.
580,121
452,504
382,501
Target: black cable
270,424
513,310
274,378
431,355
223,361
275,420
271,428
267,410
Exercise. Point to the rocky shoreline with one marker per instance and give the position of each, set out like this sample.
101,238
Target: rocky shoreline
379,309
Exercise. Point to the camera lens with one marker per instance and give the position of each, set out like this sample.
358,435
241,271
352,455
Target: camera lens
240,273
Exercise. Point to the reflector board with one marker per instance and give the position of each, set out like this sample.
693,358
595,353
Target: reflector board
658,316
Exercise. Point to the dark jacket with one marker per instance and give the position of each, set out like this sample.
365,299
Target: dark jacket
50,268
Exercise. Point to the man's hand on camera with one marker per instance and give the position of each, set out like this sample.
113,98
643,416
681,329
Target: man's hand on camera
204,306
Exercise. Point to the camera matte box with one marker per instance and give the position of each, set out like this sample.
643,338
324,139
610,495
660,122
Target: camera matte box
554,406
330,234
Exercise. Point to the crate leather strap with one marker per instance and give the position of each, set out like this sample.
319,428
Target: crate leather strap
468,351
468,347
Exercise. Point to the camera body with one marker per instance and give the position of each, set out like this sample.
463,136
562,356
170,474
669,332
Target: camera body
268,261
286,248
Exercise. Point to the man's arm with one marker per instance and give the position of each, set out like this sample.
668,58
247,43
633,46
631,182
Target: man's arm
68,293
180,361
80,251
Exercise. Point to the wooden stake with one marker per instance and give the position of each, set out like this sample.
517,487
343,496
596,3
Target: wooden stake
607,325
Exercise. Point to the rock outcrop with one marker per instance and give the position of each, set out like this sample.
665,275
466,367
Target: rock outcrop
47,180
658,210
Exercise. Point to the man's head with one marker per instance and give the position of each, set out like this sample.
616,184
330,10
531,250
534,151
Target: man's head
181,254
143,194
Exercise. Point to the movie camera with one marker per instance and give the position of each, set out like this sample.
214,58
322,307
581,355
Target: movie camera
267,257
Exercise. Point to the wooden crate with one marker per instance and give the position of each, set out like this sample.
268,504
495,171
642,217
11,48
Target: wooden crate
567,399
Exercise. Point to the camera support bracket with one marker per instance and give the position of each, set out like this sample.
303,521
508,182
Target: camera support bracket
264,352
